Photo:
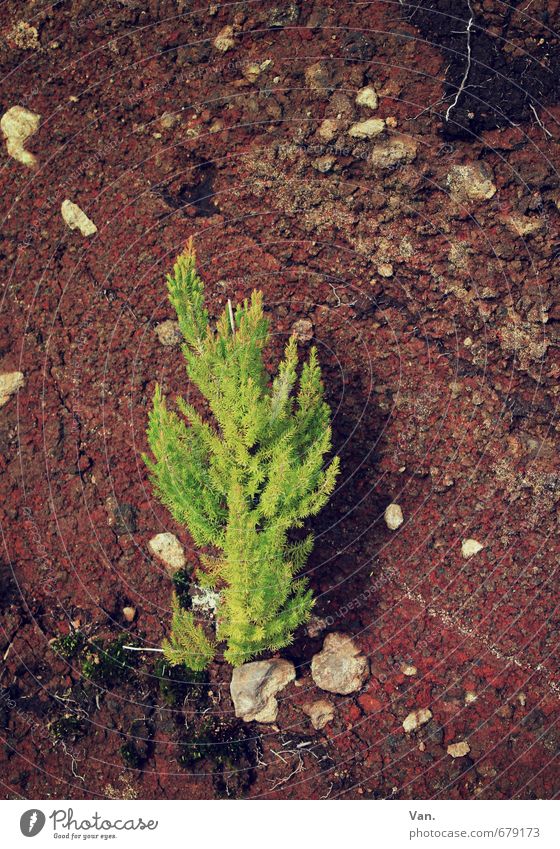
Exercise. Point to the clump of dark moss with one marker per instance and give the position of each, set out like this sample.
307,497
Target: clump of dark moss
177,684
230,750
182,580
67,728
107,662
139,747
69,645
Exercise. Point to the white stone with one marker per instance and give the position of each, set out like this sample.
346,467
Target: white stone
167,548
10,383
408,669
367,129
417,718
340,667
76,219
367,97
320,713
254,687
393,517
470,547
458,750
18,124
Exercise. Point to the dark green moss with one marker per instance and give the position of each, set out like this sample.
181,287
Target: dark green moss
230,750
177,684
70,645
67,728
182,582
107,663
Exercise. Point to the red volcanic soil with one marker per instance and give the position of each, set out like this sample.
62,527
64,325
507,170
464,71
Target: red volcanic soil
434,305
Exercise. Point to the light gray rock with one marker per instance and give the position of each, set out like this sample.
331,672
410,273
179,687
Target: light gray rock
340,667
254,687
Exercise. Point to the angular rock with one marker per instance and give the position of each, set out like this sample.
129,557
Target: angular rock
320,712
77,219
10,383
471,182
18,124
395,151
417,718
393,517
167,548
340,667
254,687
367,129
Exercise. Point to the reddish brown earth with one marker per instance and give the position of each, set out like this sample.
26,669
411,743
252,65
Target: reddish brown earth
443,376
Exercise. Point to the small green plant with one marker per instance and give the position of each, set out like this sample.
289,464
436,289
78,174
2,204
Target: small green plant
243,479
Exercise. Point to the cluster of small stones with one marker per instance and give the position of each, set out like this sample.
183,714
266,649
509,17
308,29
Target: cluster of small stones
340,668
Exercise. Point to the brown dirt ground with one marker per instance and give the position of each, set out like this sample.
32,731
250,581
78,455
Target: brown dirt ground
443,376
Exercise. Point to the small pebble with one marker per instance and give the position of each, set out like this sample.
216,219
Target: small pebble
385,269
393,517
367,97
129,613
169,333
367,129
17,125
470,547
408,669
417,718
224,41
76,218
458,750
303,330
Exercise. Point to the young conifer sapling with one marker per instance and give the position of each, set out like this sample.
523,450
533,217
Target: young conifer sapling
242,478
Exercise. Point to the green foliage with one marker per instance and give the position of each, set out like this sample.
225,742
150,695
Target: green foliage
69,645
244,479
188,644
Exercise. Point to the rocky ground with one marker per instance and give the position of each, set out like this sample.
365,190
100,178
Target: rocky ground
388,175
